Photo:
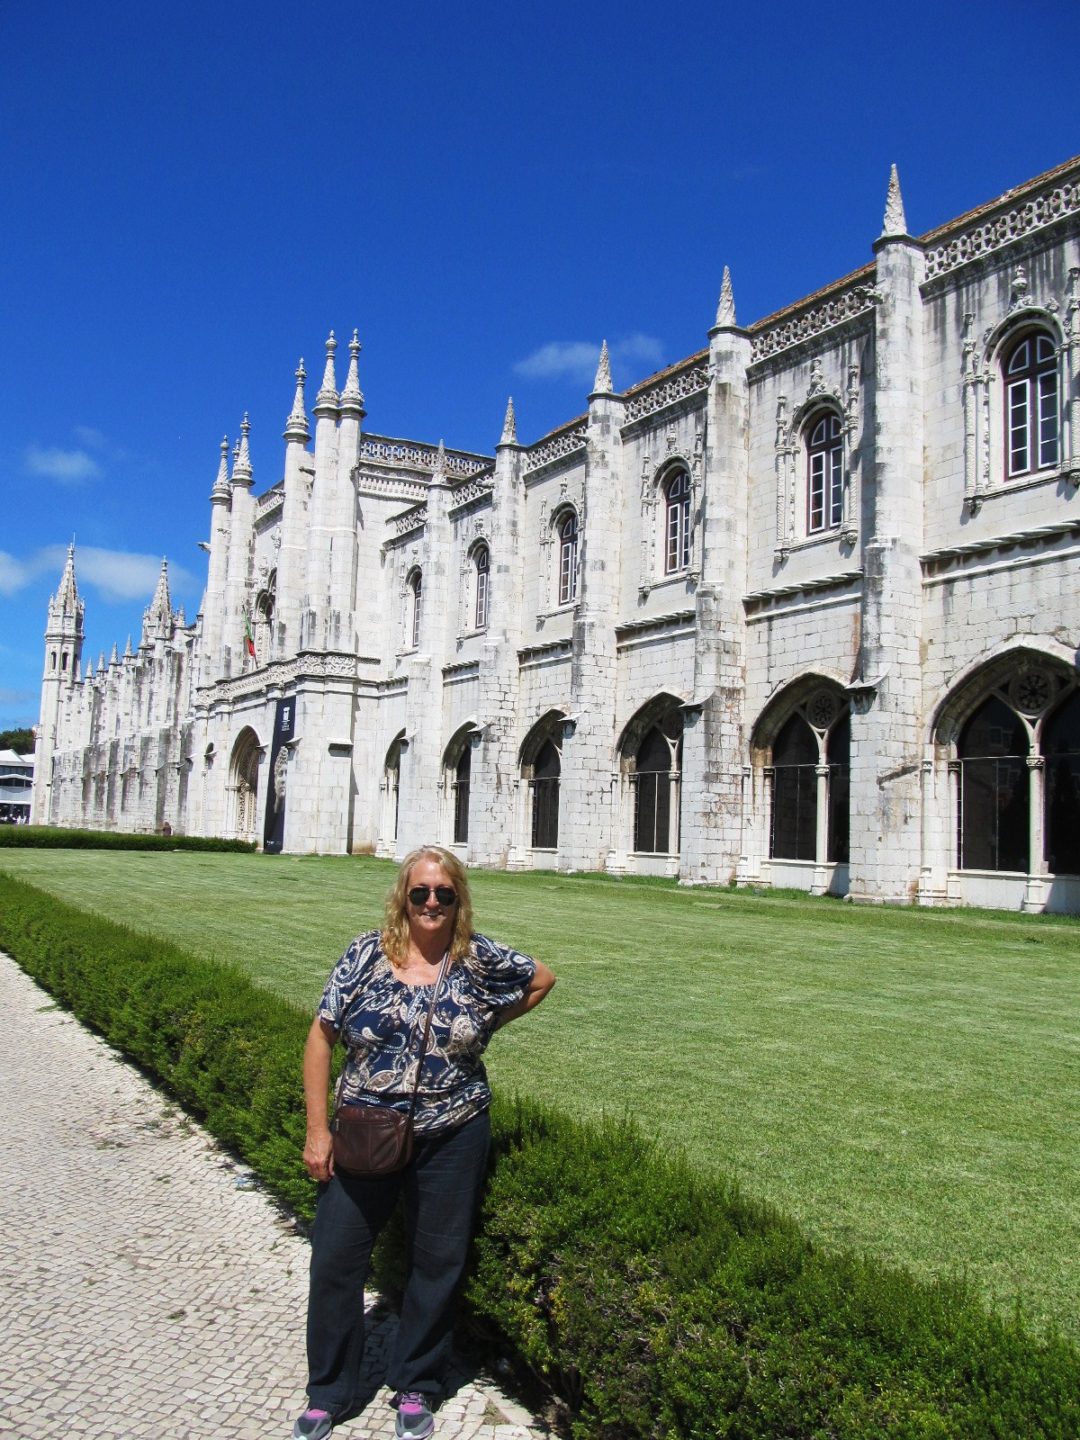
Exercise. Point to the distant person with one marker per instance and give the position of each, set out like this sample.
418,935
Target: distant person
425,975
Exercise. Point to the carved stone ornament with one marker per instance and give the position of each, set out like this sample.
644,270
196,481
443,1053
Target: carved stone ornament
845,304
1031,691
1031,213
822,709
667,392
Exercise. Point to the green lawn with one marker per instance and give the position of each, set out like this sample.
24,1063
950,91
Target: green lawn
906,1083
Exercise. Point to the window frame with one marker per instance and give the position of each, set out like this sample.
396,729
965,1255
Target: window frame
414,593
824,471
481,586
567,585
678,533
1030,406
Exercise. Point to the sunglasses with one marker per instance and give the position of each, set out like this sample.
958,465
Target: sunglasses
443,894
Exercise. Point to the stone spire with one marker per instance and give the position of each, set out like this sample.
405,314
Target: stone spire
438,475
602,384
895,221
114,658
101,661
89,675
725,310
127,647
327,398
241,474
352,397
158,616
221,484
65,604
296,426
509,430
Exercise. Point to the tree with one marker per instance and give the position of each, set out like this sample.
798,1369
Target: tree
21,741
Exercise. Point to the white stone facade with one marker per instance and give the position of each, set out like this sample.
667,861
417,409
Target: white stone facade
756,619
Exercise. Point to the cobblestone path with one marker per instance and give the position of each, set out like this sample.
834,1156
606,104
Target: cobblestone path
148,1290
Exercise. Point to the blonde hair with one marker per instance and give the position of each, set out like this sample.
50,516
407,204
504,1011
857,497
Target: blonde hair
395,935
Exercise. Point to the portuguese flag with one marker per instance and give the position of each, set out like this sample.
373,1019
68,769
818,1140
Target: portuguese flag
249,639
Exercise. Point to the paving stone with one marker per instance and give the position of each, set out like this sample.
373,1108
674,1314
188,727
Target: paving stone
142,1292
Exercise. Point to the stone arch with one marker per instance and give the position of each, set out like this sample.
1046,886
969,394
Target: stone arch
800,748
649,755
805,693
540,769
391,794
244,761
457,779
1000,782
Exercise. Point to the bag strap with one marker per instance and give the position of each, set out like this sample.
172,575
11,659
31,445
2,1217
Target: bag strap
427,1032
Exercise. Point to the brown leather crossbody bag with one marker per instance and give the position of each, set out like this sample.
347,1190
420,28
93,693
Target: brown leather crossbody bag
374,1140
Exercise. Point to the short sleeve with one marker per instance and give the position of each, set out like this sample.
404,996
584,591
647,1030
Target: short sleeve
346,978
501,975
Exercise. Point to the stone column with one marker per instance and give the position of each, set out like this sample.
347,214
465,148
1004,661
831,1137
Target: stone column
587,827
714,748
886,748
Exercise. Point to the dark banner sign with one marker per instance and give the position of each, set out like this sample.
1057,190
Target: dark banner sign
284,732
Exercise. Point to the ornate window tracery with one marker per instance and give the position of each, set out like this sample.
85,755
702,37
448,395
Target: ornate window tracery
810,771
817,464
1017,768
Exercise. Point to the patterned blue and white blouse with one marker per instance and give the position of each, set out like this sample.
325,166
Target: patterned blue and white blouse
380,1021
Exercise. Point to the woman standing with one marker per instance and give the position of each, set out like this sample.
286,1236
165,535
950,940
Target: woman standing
376,1002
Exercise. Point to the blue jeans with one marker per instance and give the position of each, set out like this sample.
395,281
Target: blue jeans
441,1188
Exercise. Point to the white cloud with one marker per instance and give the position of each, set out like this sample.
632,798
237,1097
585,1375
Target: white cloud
576,360
68,467
637,349
561,359
114,575
88,436
118,575
14,574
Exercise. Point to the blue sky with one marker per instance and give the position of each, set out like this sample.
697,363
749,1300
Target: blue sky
195,194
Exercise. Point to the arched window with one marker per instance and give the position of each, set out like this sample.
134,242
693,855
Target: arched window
811,783
657,766
482,569
992,823
676,522
794,792
568,552
1061,749
392,788
460,786
824,472
1031,405
547,769
413,599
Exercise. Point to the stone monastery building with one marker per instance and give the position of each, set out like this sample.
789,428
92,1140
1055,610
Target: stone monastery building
801,610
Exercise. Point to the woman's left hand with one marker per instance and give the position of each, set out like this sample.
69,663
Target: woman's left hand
539,986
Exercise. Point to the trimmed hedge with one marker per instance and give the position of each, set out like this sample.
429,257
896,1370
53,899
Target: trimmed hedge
657,1303
51,837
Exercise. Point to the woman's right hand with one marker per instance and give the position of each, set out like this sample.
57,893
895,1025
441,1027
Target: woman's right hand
319,1154
319,1145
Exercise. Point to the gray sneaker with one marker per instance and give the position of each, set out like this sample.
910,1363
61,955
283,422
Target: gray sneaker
414,1418
313,1425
